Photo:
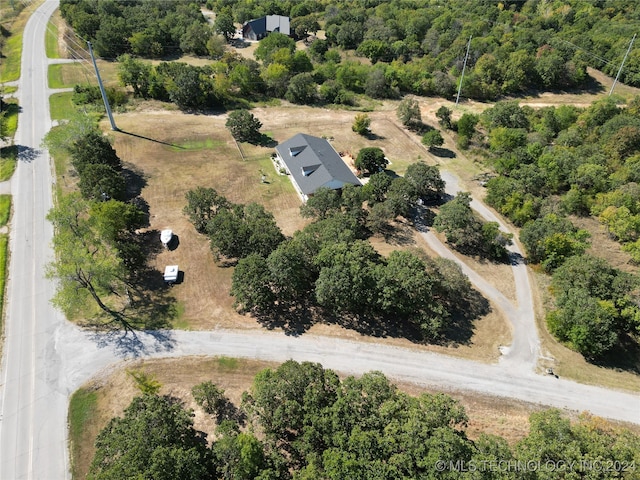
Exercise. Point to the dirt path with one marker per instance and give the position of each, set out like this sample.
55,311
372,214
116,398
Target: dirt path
524,351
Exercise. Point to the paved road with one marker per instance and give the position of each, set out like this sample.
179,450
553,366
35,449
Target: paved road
32,435
46,358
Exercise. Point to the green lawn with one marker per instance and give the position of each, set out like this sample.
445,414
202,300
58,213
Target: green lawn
8,160
12,116
4,241
66,75
5,209
10,67
82,411
51,41
61,106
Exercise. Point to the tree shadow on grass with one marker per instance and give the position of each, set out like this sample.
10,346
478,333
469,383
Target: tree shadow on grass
624,356
398,235
142,325
374,136
135,181
139,329
460,328
265,141
293,319
442,152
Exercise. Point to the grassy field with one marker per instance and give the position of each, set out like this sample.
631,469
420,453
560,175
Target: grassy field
10,67
61,106
51,37
14,20
4,243
5,209
8,160
66,75
83,413
175,152
11,112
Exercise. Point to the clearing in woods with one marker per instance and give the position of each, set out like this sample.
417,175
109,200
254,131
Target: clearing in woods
175,152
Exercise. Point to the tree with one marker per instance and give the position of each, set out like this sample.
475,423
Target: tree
292,272
347,277
371,160
93,148
189,87
323,203
154,439
406,289
251,285
273,42
85,265
303,26
224,24
289,404
426,179
195,38
401,196
409,113
216,46
241,455
375,50
244,126
361,124
433,138
550,240
466,125
276,78
202,205
136,74
375,190
457,221
444,116
507,114
101,182
116,222
210,398
465,232
302,89
241,230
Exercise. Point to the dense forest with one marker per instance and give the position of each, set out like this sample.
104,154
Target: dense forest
405,46
558,163
301,421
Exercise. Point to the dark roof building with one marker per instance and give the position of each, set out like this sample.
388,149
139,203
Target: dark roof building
261,27
313,163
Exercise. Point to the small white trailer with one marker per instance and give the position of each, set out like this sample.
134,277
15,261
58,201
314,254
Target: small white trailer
171,274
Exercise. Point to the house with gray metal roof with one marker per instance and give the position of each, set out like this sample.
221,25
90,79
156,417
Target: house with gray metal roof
313,163
261,27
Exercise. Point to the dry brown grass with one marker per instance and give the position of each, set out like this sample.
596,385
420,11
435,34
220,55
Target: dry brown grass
176,152
602,245
198,151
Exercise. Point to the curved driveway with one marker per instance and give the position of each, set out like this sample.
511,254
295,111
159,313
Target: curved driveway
46,358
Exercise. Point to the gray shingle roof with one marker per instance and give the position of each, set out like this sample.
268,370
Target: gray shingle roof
314,163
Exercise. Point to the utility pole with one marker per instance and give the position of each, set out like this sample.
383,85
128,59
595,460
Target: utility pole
464,66
104,94
622,64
